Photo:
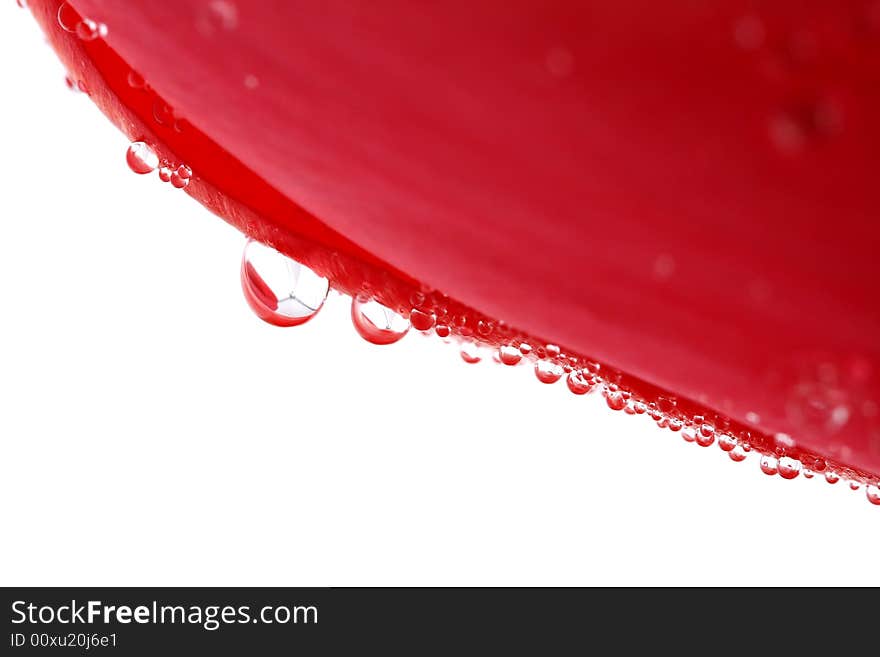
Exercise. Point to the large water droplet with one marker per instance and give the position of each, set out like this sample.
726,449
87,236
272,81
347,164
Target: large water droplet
548,372
615,399
789,468
377,323
280,290
726,442
141,157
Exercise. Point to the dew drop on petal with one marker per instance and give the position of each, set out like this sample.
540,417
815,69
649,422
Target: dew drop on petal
470,353
141,157
769,465
421,321
737,454
789,468
280,290
579,382
509,355
376,323
548,372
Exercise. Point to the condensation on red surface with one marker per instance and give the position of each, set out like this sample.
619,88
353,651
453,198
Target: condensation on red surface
685,192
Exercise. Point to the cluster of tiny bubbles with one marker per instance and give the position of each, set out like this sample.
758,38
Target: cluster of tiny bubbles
141,158
548,372
281,291
470,352
85,28
376,323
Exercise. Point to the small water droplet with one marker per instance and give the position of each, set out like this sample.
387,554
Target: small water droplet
141,157
136,80
579,382
509,355
548,372
164,173
376,323
68,17
789,468
689,434
784,440
177,181
737,454
470,353
832,477
89,30
442,330
854,485
71,84
726,442
251,82
184,172
552,350
704,440
280,290
615,399
769,465
873,494
525,348
422,321
82,86
808,474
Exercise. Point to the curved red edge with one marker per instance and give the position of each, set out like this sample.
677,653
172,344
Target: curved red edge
719,241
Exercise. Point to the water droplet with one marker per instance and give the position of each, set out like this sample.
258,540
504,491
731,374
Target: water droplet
753,418
82,86
737,454
784,440
442,330
548,372
854,485
769,465
789,468
68,17
71,84
135,80
470,352
615,400
689,434
141,157
162,112
184,172
704,440
552,350
873,494
280,290
89,30
376,323
726,442
674,424
177,181
421,321
164,173
509,355
832,477
579,382
525,348
251,81
808,474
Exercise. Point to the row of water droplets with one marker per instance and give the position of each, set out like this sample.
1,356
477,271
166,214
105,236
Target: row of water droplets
286,293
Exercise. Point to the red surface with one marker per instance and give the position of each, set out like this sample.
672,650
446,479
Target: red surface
648,183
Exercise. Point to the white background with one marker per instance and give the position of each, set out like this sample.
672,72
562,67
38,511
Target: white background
154,432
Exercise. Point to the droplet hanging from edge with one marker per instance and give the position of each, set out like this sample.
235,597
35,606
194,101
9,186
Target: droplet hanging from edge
737,454
769,465
579,382
789,468
832,477
548,372
421,321
280,290
873,494
376,323
141,157
509,355
470,353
